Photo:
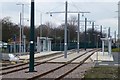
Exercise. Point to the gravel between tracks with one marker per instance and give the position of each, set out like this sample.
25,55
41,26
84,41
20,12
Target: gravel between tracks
20,67
40,69
27,65
60,71
80,71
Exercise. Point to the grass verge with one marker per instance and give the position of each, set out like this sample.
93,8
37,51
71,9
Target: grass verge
116,50
103,73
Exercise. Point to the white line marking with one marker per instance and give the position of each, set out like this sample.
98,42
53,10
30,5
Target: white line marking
116,64
103,64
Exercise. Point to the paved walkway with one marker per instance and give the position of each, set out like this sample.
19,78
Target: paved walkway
39,54
70,57
115,62
102,57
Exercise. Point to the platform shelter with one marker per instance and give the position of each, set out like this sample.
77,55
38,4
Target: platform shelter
43,44
109,40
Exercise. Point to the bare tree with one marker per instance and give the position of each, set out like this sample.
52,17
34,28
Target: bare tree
72,20
9,29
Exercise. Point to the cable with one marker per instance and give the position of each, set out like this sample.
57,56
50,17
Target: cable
56,7
48,11
75,6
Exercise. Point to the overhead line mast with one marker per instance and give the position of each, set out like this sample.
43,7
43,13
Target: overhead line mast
65,28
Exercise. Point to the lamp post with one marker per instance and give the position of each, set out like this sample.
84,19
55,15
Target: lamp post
93,34
65,28
68,32
65,31
31,63
41,25
85,33
20,35
59,38
115,37
24,41
106,29
88,34
97,46
94,39
78,34
14,39
97,43
40,35
22,23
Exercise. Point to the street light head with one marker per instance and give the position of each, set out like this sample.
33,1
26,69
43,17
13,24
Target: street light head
50,14
82,14
19,3
90,22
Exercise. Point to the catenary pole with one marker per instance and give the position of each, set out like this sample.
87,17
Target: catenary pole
20,35
85,33
65,31
78,32
31,64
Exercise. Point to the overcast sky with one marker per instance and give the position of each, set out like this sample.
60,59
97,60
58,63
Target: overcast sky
102,12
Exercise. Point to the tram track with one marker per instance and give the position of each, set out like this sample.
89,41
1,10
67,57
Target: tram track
75,67
23,66
63,65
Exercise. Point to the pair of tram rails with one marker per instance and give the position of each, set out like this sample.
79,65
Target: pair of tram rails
22,66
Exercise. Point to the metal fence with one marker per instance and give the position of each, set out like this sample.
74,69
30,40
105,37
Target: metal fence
73,45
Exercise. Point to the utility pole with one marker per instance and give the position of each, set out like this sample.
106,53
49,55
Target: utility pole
24,41
78,34
115,37
65,31
41,25
22,25
14,38
31,63
40,35
109,43
108,32
23,28
85,33
93,34
40,32
118,24
101,36
20,35
101,31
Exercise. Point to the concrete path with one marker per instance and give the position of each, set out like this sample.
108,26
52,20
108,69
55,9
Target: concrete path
39,54
115,62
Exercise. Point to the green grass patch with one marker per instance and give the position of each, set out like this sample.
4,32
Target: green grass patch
102,72
116,50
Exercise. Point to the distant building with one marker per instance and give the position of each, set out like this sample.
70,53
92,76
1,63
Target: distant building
119,20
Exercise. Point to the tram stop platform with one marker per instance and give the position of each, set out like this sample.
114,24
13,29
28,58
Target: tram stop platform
100,56
71,57
41,54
